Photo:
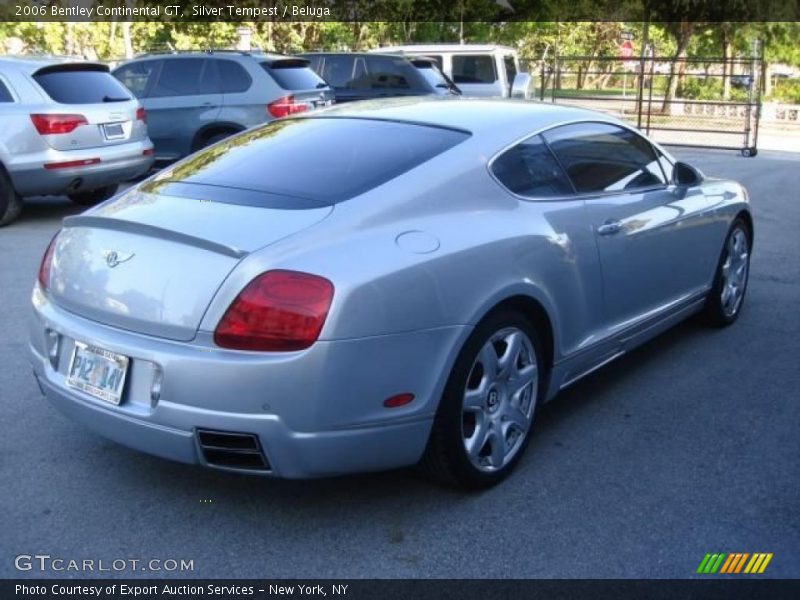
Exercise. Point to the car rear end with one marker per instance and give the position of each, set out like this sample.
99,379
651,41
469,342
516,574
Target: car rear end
78,130
172,319
297,88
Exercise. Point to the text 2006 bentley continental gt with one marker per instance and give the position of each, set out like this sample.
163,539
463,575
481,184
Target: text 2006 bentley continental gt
381,285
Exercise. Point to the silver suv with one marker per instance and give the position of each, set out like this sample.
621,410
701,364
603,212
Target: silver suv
66,127
195,99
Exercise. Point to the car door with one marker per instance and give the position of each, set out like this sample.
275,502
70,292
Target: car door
184,98
650,236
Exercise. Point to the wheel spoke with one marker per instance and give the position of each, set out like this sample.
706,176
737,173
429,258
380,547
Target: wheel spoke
488,358
517,419
498,444
474,399
475,443
509,359
525,376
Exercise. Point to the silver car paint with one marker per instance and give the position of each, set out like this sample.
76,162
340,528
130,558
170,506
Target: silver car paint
416,263
23,151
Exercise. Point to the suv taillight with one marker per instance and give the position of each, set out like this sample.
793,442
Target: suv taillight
284,106
57,124
278,311
141,115
47,261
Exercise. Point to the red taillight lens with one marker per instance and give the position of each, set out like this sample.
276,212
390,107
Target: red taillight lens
69,164
278,311
57,124
140,114
47,260
285,106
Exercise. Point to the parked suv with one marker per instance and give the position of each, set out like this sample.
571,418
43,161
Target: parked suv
478,70
365,76
66,127
195,99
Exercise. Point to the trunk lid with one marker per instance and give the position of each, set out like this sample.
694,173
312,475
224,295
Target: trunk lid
152,263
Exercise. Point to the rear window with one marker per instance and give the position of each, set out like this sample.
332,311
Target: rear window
294,75
302,163
78,86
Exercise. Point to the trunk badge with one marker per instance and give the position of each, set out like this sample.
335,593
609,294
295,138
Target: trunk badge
113,258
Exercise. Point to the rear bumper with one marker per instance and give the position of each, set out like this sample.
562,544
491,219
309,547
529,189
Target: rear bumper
315,413
117,164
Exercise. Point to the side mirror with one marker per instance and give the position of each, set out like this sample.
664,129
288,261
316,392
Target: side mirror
684,174
522,86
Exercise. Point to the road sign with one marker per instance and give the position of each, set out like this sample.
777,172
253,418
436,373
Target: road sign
626,36
626,49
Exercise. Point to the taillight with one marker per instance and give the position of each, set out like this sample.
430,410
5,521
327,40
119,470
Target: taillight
141,115
47,260
57,124
284,106
278,311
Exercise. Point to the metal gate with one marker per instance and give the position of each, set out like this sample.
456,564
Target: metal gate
700,102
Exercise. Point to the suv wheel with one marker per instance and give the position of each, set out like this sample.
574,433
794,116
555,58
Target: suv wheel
93,197
10,202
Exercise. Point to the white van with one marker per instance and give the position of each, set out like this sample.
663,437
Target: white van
486,70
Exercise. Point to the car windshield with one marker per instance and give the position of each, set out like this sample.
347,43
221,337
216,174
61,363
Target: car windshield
301,163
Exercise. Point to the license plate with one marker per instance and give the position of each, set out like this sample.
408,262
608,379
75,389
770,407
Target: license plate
97,372
113,131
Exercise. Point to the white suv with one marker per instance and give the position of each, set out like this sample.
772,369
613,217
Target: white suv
488,71
66,127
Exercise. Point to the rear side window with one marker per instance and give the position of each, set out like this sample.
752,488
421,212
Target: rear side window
384,73
600,157
476,68
233,78
186,77
338,70
136,76
294,75
260,167
81,86
530,169
5,95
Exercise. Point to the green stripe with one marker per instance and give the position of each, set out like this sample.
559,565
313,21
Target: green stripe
718,563
703,563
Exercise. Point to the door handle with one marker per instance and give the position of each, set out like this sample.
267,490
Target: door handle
609,227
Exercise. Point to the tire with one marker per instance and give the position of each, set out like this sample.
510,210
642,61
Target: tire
93,197
481,410
10,202
212,139
725,300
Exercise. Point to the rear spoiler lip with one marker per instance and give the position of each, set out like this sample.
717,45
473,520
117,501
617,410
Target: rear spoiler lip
153,231
72,66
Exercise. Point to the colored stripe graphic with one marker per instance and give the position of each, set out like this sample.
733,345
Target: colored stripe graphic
734,562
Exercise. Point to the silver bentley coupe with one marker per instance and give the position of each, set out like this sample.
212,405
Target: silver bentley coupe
379,285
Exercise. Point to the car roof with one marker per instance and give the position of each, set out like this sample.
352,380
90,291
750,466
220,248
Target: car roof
345,53
31,64
446,48
496,117
235,54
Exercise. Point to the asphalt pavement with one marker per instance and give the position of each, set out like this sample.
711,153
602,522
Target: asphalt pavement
688,446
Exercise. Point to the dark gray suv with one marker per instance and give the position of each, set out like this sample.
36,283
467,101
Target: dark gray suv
194,99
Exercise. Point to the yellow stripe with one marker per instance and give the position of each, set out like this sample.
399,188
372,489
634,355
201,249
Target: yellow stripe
756,566
741,562
728,561
765,563
749,566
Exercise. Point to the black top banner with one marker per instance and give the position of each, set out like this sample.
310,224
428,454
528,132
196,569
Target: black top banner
400,10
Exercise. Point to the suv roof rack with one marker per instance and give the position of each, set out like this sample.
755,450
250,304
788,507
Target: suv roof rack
202,51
